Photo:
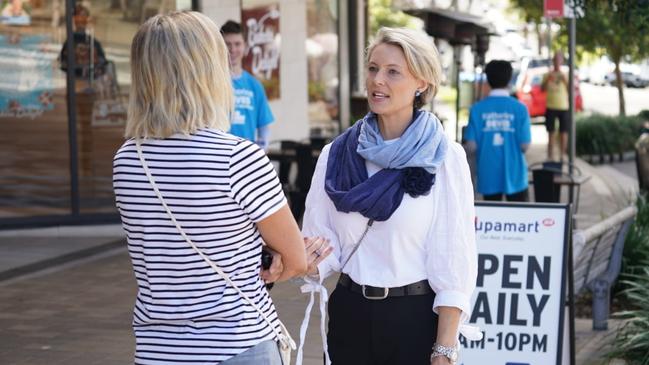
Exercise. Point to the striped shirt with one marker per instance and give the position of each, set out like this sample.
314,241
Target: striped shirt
217,186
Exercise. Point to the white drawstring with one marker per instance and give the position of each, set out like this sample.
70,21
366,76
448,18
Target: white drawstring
312,287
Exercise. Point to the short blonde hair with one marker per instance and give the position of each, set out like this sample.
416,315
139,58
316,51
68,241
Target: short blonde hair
421,56
180,78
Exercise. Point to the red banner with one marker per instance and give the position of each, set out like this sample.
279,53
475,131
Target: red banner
553,8
262,55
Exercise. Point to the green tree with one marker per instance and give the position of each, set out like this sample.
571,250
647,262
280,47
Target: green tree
531,11
383,15
616,28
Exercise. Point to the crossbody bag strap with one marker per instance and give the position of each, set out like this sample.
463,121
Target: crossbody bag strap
225,276
358,243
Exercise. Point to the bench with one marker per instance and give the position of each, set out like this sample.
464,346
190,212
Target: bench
598,259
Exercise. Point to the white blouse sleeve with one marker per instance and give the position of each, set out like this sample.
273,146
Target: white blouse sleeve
451,253
316,220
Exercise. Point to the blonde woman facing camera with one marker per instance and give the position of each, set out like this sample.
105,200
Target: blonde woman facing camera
394,196
194,199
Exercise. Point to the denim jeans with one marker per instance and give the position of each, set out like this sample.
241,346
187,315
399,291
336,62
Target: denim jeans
264,353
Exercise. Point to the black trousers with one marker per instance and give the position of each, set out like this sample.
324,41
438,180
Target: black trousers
392,331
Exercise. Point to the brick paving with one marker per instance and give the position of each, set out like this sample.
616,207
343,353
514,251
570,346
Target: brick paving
80,312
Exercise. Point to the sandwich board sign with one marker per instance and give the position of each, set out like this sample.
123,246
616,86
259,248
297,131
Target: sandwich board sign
519,300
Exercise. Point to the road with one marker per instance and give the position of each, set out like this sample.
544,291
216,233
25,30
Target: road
604,99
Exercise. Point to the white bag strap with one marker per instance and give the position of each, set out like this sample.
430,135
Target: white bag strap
285,338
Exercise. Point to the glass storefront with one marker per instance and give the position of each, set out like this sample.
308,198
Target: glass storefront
323,66
37,137
62,115
35,163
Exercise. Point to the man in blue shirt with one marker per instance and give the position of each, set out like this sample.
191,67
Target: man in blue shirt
252,115
499,134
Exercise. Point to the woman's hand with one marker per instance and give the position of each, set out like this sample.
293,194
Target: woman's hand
276,267
317,249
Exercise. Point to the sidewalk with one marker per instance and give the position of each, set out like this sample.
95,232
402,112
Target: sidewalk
66,294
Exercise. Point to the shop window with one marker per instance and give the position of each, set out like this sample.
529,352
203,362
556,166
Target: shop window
323,69
34,148
35,175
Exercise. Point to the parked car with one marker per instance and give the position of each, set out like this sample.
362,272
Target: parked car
528,90
628,78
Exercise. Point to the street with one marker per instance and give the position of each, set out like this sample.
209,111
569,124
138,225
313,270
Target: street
604,99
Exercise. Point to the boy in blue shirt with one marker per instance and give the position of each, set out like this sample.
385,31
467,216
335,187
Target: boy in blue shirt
499,134
252,115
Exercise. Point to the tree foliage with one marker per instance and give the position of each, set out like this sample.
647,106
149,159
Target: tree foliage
616,28
531,10
383,15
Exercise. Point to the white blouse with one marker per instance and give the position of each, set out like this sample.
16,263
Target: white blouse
429,237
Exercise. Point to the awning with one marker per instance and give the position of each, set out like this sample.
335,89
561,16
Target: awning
455,26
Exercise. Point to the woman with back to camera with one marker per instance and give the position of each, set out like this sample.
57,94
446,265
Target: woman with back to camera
180,173
394,196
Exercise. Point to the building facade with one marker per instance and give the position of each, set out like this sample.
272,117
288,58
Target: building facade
65,79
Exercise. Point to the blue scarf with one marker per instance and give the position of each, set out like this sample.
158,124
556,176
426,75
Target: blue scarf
409,165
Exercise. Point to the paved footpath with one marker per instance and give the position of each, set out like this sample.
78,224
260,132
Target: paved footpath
80,312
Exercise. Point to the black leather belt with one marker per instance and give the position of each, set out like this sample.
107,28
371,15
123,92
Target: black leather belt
377,293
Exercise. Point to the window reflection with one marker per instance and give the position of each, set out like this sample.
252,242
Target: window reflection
34,149
322,58
34,119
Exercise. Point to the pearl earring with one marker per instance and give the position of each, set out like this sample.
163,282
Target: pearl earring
417,93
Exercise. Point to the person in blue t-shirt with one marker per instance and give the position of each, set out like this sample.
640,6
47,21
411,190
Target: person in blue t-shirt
252,115
499,134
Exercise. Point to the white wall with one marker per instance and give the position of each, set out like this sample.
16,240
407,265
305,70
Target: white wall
222,10
290,110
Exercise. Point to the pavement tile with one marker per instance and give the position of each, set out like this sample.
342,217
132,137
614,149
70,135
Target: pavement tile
81,312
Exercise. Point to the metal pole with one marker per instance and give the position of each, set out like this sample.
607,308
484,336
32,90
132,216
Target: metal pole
548,33
572,35
571,110
458,63
72,109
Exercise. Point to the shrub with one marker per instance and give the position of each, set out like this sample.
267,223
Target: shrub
632,341
636,244
644,115
602,135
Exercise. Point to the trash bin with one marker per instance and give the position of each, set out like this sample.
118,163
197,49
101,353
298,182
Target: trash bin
642,160
545,189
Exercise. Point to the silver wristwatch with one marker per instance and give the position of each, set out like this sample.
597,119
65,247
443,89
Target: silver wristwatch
448,352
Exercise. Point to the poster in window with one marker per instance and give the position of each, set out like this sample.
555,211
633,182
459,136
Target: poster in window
26,81
261,25
15,12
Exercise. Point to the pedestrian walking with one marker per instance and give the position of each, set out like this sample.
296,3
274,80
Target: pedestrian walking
555,85
252,115
394,196
196,203
499,133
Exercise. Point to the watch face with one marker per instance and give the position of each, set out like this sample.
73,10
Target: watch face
453,356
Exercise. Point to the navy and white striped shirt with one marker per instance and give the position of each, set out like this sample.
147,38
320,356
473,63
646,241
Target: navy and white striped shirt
217,187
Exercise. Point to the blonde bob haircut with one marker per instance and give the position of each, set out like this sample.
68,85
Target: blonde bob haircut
180,79
421,56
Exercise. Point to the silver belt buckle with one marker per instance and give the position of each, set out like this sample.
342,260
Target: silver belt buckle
385,294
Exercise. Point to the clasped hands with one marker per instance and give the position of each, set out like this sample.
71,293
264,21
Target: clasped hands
317,249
